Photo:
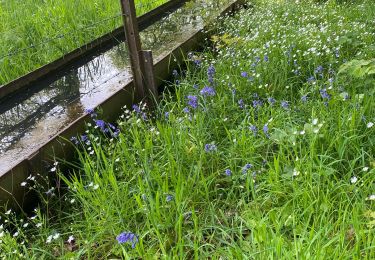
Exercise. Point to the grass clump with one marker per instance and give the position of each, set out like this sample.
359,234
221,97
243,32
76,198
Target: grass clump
265,150
36,32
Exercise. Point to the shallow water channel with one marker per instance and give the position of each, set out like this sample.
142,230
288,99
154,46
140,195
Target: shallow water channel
31,118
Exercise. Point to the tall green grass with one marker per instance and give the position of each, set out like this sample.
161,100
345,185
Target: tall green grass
35,32
263,150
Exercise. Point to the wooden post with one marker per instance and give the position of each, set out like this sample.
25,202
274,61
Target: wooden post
141,61
150,75
134,45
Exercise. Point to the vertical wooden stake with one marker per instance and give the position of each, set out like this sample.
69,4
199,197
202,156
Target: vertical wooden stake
134,45
150,75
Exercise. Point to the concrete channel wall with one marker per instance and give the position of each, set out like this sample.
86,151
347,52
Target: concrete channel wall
11,191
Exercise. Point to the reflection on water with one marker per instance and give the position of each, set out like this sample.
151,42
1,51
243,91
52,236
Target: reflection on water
30,118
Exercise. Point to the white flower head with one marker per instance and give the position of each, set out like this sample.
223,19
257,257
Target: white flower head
370,124
23,184
365,169
70,239
315,121
353,179
371,197
49,239
296,172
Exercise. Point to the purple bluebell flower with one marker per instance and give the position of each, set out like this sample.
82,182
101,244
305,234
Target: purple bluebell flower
266,59
265,130
177,82
257,103
74,140
304,98
91,112
311,79
186,110
271,100
101,124
324,94
195,86
169,198
318,70
192,101
285,104
247,167
228,172
127,237
136,108
207,91
211,73
84,138
257,59
175,73
166,115
254,129
233,91
241,104
197,62
244,74
210,148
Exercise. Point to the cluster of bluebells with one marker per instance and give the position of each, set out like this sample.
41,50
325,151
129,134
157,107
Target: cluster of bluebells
126,237
210,148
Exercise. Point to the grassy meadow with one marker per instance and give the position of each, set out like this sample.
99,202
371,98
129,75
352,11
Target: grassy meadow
263,149
36,32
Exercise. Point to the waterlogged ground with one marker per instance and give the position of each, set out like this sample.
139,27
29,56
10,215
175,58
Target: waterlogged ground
35,32
264,151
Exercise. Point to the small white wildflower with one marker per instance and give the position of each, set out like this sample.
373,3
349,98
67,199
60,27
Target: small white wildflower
72,201
353,179
365,169
370,124
96,186
91,184
371,197
55,163
92,152
2,234
33,217
15,234
49,239
296,172
53,169
117,160
315,121
8,212
56,236
23,184
25,225
70,239
302,132
38,225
